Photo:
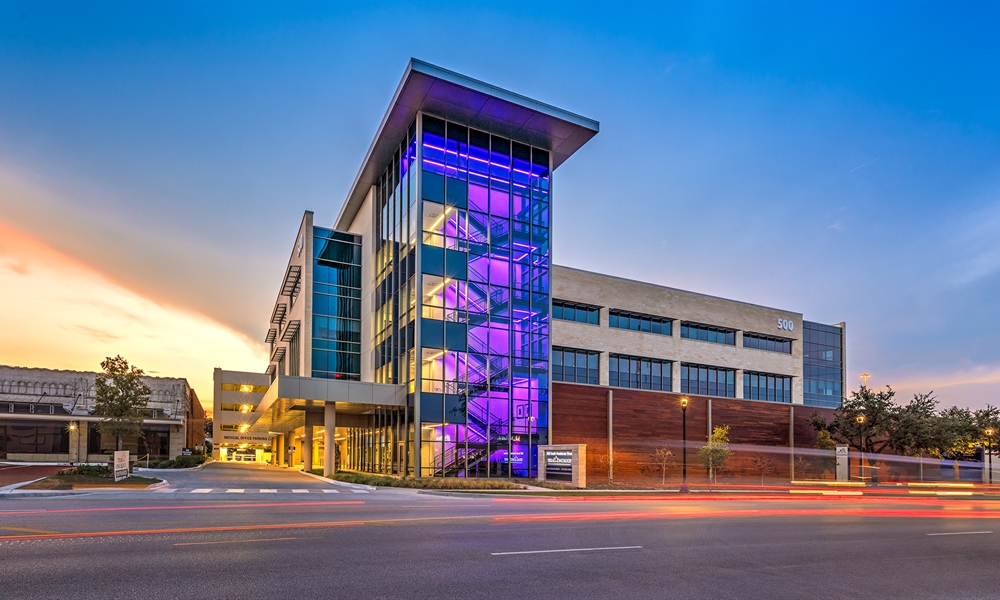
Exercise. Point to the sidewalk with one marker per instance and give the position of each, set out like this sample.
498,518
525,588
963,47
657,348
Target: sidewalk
12,474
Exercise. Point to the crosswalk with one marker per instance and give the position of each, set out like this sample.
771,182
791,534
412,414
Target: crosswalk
253,491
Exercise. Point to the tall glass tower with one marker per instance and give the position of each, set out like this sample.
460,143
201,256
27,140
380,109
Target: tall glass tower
459,188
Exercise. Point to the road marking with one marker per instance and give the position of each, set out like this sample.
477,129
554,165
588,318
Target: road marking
564,550
300,491
26,530
235,541
360,491
201,491
331,491
234,491
961,533
269,491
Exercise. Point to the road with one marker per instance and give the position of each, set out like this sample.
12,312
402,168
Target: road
392,543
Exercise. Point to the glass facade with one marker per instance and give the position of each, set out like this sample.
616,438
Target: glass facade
336,334
822,365
708,333
636,322
33,437
483,300
571,311
766,342
575,366
638,372
767,386
707,380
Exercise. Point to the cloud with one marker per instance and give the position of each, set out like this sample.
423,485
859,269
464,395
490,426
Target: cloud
61,314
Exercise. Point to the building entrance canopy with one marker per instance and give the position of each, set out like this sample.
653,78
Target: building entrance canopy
288,400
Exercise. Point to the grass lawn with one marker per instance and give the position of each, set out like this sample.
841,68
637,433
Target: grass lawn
81,482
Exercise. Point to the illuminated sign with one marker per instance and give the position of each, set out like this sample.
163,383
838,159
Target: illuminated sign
559,465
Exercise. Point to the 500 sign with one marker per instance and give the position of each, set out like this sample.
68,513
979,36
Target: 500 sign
786,325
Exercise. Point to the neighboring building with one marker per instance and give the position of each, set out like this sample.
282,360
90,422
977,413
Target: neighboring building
46,416
420,335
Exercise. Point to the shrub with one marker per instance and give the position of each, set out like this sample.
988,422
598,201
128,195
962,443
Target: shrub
88,471
435,483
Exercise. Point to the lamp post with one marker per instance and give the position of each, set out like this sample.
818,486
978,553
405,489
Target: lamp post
861,446
989,453
684,448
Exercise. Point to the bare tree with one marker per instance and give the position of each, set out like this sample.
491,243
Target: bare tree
664,459
764,465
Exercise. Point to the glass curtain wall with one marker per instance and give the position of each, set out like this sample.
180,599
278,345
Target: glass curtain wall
822,365
484,302
382,446
336,332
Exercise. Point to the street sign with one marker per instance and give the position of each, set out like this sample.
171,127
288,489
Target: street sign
121,465
186,452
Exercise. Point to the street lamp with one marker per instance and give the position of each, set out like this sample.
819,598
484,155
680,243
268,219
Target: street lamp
861,446
864,379
989,453
684,448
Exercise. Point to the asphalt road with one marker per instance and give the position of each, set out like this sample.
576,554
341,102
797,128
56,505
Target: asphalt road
404,544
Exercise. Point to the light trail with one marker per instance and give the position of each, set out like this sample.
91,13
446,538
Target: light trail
175,507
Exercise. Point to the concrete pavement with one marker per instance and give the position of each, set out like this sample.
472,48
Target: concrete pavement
402,544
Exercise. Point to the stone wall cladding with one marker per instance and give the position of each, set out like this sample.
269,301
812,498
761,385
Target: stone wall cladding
645,298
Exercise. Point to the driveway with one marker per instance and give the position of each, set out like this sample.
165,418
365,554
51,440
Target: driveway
243,478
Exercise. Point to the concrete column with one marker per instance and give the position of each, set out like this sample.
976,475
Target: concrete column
739,383
675,374
74,443
83,433
279,450
604,362
329,435
307,448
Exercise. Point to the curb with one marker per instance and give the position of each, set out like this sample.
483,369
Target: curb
7,489
201,466
158,486
356,486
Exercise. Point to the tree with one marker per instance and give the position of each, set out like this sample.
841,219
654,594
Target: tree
716,452
121,400
664,459
764,465
828,460
880,416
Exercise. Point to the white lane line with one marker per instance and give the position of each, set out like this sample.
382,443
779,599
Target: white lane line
962,533
360,491
269,491
234,491
201,491
565,550
331,491
300,491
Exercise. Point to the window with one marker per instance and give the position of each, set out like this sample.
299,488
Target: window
639,373
767,386
707,333
243,387
822,365
766,342
711,381
575,366
571,311
35,437
636,322
336,309
243,408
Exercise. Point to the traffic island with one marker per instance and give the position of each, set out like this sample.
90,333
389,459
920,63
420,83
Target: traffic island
88,478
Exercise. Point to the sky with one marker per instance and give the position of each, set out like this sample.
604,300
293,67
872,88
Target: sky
841,160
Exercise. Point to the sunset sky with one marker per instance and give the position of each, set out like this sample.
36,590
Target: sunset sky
839,160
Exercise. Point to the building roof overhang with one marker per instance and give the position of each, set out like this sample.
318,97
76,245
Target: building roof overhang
426,87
